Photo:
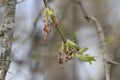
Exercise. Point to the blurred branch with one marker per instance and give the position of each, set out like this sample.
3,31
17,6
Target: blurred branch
104,49
32,33
20,1
1,31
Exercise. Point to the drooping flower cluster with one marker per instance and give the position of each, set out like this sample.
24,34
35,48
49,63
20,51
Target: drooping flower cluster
70,50
46,28
49,17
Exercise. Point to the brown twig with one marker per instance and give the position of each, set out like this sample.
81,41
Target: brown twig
104,49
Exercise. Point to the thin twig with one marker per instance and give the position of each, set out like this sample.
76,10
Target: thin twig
104,50
61,34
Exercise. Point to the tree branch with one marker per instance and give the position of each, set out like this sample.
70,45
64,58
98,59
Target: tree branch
45,3
104,49
7,30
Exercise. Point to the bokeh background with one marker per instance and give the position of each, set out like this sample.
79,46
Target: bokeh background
35,59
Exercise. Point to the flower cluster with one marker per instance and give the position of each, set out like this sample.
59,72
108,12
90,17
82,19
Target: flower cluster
50,17
70,50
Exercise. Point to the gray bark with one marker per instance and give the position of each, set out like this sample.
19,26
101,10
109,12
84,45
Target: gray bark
6,31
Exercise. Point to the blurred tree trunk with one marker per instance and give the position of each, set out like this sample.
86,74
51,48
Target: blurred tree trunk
7,35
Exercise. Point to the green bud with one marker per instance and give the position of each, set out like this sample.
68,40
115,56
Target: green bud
82,50
49,12
86,58
72,44
73,55
62,48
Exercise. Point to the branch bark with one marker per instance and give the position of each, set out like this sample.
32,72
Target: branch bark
3,1
7,30
104,50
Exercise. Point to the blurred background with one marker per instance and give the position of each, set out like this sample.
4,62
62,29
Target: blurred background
35,59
